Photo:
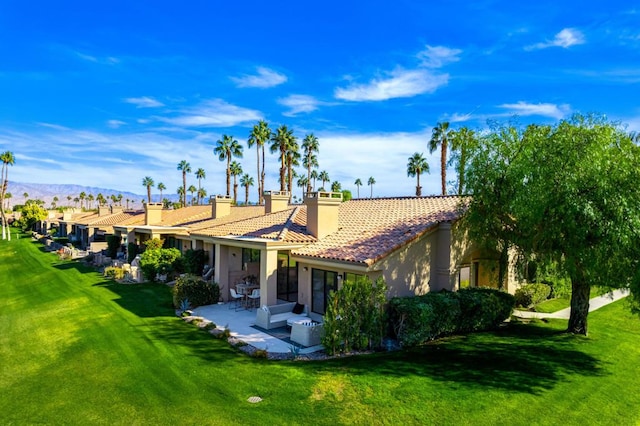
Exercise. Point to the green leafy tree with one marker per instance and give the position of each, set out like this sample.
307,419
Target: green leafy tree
440,138
415,167
568,193
226,149
148,183
185,168
259,136
281,142
200,174
246,181
31,213
371,182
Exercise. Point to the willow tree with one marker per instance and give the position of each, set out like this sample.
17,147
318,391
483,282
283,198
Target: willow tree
568,193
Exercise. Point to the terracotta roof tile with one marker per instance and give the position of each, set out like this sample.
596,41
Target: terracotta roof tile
185,215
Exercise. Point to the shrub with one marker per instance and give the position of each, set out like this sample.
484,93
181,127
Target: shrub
355,316
113,272
154,244
196,290
194,261
158,261
531,294
132,252
113,244
416,320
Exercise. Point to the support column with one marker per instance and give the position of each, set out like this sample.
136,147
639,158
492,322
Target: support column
221,271
443,259
268,277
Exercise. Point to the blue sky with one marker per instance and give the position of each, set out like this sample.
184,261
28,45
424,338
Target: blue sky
106,93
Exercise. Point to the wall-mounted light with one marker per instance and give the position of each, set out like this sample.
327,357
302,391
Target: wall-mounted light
305,269
339,277
233,254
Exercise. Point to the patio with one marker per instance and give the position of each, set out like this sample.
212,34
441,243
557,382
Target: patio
240,324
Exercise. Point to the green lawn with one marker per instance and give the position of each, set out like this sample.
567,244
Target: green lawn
559,303
77,349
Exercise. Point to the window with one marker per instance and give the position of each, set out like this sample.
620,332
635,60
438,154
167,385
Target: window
250,255
351,277
322,282
287,278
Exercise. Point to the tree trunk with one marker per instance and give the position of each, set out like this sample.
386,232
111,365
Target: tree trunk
261,200
580,292
443,167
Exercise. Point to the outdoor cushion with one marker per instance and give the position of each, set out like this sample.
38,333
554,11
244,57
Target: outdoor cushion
298,309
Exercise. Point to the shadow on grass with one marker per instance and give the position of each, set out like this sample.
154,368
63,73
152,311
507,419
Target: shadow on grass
521,358
143,300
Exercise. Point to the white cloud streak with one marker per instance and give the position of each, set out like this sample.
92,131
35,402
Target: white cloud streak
542,109
144,102
213,113
298,104
264,78
566,38
399,84
438,56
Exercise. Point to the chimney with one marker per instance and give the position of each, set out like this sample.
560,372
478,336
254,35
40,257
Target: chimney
103,210
322,212
116,209
220,206
152,213
276,201
67,215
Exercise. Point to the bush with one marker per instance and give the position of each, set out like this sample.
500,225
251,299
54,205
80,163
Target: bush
158,261
532,294
113,272
132,252
194,261
416,320
113,244
196,290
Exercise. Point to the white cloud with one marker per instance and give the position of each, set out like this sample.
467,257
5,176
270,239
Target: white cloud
214,113
144,102
299,104
438,56
543,109
566,38
109,60
400,84
114,124
265,78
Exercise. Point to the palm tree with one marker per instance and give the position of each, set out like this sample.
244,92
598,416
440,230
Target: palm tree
310,145
90,199
185,167
161,187
358,184
336,186
100,198
82,196
293,159
260,134
7,197
120,199
246,181
324,177
415,167
25,195
462,141
303,182
236,169
371,182
200,174
202,193
8,159
75,201
69,198
113,199
314,176
148,183
127,200
227,148
192,189
181,195
281,141
54,203
440,137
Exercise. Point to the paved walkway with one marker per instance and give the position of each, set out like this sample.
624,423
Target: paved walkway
595,303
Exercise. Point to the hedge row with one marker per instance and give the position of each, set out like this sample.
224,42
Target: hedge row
416,320
194,289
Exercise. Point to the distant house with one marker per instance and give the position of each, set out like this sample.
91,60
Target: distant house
302,252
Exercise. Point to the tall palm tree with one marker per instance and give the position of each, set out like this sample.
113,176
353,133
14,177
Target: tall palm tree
324,177
440,137
281,141
119,199
181,194
336,186
246,181
90,199
7,197
311,146
75,201
358,184
192,189
371,182
148,183
161,187
200,174
114,199
236,169
303,182
415,167
293,159
8,159
25,195
82,196
202,193
185,168
227,148
462,142
260,135
314,176
55,201
69,198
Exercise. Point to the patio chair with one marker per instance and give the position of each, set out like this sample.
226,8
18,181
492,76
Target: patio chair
237,298
255,298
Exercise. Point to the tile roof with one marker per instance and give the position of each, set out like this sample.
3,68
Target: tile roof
185,215
237,213
121,218
369,229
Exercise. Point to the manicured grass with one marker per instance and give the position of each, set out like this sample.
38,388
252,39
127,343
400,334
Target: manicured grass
559,303
78,349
